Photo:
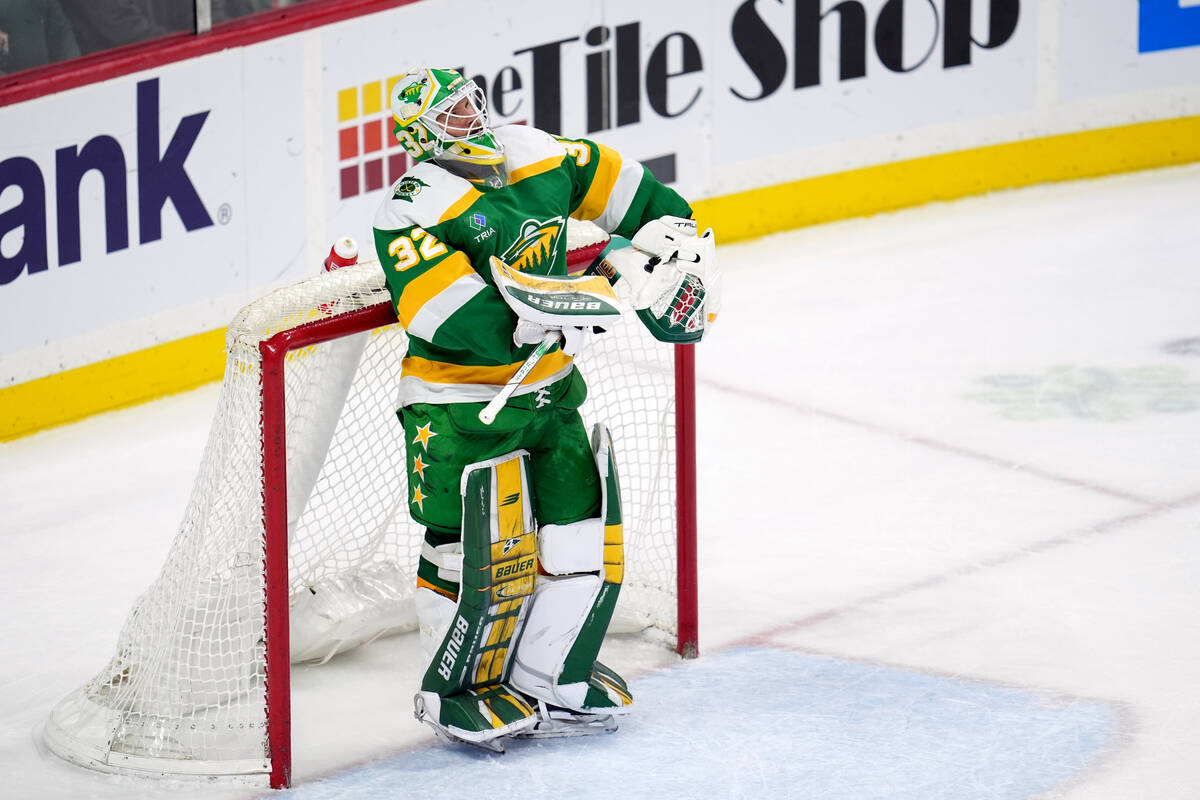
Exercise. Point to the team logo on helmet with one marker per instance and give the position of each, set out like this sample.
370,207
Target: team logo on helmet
412,92
441,115
408,188
537,247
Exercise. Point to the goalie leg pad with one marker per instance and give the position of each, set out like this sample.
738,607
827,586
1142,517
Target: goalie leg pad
463,695
570,614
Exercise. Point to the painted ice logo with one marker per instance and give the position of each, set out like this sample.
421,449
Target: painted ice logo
1168,24
536,249
161,175
1086,392
408,188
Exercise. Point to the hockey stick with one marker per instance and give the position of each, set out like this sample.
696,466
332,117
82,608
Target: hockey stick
489,412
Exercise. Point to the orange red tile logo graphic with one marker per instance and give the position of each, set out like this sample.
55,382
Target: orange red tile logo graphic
369,157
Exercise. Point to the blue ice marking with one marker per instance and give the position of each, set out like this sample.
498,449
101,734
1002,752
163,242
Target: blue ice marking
766,723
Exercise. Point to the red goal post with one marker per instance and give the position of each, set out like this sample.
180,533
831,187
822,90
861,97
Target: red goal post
298,516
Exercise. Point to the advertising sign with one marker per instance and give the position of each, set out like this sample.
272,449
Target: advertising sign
150,207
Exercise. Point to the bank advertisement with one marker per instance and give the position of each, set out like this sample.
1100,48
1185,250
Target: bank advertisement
150,207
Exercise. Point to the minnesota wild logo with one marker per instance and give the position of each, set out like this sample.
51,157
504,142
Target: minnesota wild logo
412,94
408,188
537,247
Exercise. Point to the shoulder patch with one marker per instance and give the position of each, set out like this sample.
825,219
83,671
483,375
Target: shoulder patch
420,197
407,188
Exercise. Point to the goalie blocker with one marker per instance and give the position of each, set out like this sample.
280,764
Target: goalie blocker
518,653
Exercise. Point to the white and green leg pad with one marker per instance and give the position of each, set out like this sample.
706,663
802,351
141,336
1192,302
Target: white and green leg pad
570,612
465,694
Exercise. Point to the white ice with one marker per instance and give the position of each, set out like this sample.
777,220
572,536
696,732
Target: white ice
949,520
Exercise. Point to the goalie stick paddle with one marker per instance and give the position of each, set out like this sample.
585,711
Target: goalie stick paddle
489,412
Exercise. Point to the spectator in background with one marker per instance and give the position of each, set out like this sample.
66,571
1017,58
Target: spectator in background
104,24
33,33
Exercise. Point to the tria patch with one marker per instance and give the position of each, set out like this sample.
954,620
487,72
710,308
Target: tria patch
408,188
478,221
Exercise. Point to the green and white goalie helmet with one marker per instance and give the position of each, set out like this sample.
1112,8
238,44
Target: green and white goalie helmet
442,116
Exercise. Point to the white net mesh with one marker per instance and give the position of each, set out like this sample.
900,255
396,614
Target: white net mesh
185,692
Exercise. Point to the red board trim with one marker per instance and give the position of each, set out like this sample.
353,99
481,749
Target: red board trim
55,78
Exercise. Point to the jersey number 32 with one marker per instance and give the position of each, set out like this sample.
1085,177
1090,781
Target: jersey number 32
419,245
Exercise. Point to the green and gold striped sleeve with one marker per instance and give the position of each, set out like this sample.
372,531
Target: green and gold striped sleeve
440,298
619,195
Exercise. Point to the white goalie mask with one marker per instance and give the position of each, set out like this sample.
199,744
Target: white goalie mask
441,116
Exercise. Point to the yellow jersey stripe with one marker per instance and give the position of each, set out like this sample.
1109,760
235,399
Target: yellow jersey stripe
441,372
430,284
536,168
608,167
460,205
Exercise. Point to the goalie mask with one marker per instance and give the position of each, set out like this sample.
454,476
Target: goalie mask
441,116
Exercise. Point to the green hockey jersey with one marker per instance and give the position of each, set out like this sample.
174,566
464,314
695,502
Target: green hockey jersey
435,233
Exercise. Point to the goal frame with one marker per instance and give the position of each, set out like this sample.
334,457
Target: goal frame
274,351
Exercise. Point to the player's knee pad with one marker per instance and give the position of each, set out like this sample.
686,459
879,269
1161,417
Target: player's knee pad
445,559
570,612
435,612
439,574
571,548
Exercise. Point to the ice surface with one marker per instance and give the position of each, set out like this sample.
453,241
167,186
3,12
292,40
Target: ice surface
759,722
949,534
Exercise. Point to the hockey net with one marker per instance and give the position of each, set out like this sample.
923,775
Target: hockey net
296,543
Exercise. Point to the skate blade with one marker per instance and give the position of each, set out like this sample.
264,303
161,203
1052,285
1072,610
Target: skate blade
571,726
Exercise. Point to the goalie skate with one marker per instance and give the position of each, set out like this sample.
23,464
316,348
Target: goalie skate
554,722
490,704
